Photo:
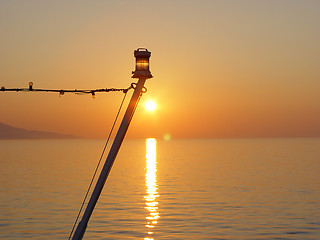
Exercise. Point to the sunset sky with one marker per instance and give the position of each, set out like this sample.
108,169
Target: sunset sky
221,68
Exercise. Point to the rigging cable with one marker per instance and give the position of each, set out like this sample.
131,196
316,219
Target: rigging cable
63,91
133,85
95,172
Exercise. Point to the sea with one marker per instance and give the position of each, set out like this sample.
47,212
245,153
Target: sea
163,189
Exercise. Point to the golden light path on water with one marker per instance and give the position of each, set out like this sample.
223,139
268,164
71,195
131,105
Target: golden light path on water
151,204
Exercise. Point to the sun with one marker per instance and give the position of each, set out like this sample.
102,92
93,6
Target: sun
150,105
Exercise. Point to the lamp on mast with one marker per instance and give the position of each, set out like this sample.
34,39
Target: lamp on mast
142,56
142,72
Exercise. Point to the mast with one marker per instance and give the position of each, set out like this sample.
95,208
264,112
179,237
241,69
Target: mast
142,72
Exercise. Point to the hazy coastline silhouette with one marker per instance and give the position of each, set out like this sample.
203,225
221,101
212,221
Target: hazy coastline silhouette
9,132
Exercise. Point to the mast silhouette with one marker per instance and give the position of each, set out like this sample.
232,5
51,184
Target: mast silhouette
141,72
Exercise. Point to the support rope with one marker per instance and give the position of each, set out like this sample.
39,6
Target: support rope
95,172
63,91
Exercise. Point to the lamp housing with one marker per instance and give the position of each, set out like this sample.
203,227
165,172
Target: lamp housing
142,56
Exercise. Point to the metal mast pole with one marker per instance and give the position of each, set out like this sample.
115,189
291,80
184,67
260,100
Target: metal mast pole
143,76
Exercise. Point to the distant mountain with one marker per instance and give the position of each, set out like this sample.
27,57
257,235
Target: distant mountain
9,132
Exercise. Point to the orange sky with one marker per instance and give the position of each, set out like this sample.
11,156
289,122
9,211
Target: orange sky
221,68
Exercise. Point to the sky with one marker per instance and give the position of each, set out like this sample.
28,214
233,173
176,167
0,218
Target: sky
221,68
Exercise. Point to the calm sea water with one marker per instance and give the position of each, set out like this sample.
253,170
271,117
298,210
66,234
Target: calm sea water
178,189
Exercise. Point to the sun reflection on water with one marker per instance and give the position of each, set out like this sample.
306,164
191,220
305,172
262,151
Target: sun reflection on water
151,204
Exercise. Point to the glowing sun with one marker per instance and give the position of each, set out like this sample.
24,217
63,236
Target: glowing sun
150,105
